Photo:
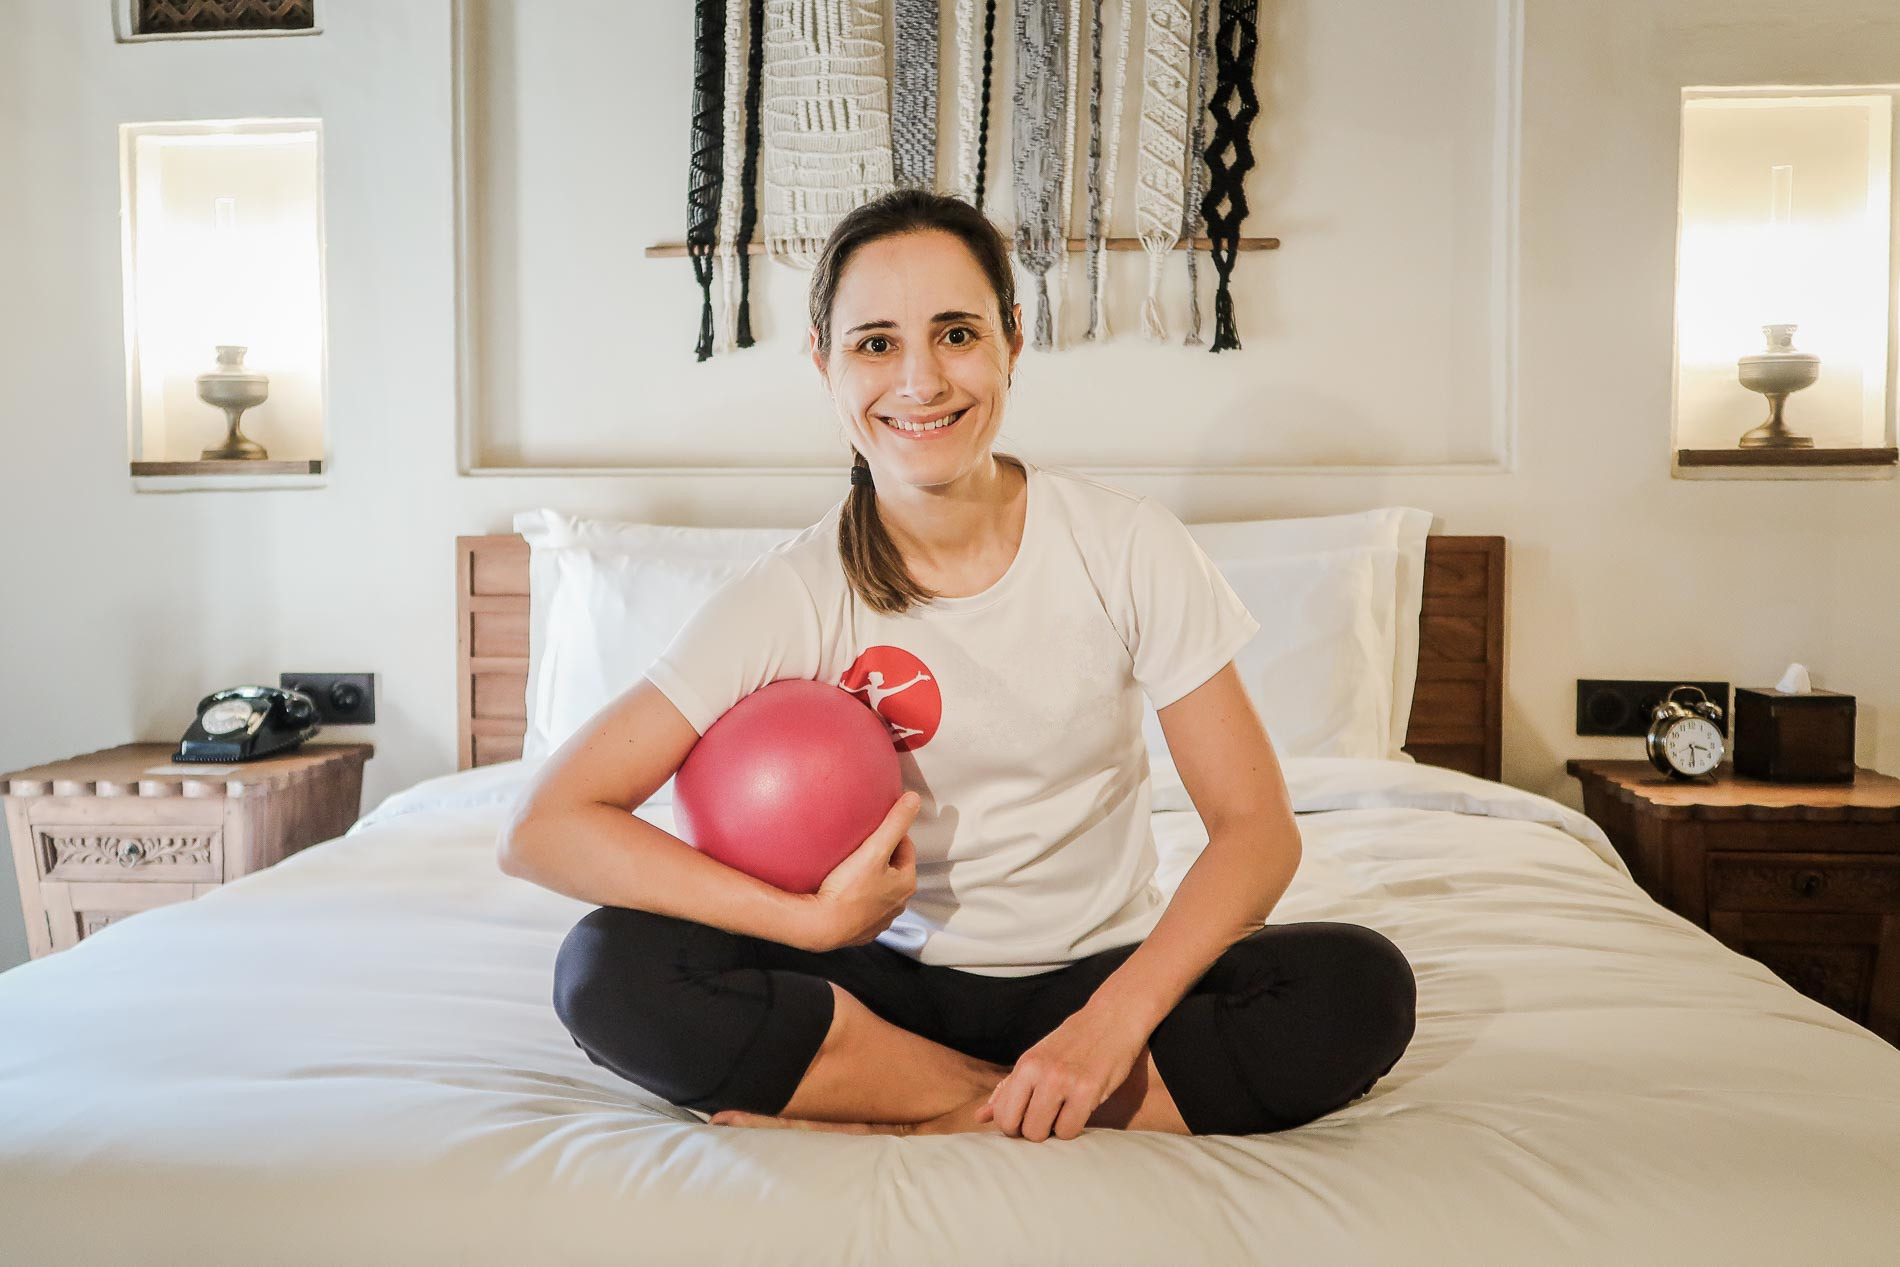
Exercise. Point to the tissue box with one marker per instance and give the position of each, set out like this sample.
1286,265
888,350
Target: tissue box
1788,738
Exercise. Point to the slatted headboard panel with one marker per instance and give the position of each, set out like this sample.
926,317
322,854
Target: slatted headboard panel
1457,708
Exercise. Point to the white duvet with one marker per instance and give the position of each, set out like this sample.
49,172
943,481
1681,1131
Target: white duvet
351,1058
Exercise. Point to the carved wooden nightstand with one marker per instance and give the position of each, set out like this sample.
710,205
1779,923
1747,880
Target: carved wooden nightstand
1804,877
100,837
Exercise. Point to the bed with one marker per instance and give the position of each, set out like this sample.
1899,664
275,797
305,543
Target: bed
379,1076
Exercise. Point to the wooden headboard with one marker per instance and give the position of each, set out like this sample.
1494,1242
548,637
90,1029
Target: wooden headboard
1457,707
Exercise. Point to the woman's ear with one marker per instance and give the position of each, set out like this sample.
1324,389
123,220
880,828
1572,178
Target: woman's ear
1016,338
817,357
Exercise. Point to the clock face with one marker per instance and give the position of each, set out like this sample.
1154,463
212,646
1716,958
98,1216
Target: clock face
225,716
1693,745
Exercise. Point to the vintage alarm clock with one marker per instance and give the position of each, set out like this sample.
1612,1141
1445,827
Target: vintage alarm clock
1683,740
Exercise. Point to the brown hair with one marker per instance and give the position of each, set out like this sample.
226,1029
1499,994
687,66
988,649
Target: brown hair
872,563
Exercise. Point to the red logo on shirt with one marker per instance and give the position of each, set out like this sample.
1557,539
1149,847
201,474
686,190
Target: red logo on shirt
901,689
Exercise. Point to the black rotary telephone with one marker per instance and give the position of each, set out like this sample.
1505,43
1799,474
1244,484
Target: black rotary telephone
244,723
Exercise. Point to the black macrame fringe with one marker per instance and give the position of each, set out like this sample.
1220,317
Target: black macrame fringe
749,204
983,120
702,191
1234,106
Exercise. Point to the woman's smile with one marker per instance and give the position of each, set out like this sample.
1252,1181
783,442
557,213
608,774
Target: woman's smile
925,426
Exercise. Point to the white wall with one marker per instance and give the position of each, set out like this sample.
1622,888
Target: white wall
117,610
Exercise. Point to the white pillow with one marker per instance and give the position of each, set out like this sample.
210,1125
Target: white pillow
1396,607
601,575
1319,672
604,600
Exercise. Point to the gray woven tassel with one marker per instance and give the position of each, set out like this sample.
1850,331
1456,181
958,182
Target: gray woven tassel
1198,89
1041,113
1101,180
1094,183
914,97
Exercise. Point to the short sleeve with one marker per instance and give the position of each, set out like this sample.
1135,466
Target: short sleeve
1185,621
759,627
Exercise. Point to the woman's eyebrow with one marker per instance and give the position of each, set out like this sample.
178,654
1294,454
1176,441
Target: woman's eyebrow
939,319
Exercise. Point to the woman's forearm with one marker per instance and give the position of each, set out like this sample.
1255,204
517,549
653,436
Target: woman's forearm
1228,893
604,855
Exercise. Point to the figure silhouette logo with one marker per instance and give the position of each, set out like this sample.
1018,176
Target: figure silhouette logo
901,689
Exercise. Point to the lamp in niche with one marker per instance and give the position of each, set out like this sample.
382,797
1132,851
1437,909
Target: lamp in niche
231,387
1779,370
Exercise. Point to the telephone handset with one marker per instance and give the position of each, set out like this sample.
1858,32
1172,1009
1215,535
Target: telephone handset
247,722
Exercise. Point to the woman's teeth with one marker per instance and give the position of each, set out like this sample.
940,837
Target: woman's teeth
939,425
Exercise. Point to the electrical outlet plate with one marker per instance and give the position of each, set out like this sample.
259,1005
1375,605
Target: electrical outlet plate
343,699
1622,706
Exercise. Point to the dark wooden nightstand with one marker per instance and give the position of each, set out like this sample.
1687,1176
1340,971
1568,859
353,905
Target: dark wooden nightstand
1804,877
101,837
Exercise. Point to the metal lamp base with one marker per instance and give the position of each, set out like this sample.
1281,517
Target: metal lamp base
1774,433
236,444
233,389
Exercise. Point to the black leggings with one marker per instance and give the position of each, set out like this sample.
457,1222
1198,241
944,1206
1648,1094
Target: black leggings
1290,1023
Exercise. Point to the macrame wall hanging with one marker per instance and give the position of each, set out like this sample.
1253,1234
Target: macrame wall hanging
1229,157
749,175
1102,177
791,95
703,189
1161,192
1041,114
827,124
914,95
1065,201
1199,85
969,29
731,177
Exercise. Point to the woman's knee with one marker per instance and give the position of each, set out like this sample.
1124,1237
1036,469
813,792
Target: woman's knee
1375,974
687,1011
1359,1005
637,993
600,959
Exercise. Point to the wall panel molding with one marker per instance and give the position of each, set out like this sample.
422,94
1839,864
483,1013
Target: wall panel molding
1491,446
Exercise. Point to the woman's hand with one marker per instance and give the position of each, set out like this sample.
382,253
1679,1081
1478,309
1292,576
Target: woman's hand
869,889
1059,1083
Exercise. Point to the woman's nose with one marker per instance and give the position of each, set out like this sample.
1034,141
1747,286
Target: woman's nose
921,375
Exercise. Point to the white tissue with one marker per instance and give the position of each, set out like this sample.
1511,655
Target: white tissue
1795,680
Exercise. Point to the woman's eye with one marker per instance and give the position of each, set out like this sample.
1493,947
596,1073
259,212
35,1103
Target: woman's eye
967,333
877,343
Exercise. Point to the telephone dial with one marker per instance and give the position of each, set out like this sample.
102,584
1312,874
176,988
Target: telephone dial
244,723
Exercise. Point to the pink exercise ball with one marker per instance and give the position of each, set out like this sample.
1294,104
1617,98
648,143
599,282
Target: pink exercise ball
787,782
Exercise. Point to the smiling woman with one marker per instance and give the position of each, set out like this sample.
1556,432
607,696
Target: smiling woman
915,330
996,955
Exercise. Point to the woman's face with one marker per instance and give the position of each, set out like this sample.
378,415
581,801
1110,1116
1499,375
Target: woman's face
916,337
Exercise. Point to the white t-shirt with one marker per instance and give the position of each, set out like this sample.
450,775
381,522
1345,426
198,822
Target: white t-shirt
1016,712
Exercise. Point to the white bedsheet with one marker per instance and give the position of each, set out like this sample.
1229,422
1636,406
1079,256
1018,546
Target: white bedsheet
351,1057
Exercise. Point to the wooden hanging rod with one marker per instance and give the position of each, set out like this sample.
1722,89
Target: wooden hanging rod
670,250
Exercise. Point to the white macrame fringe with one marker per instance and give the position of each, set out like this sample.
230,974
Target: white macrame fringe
732,161
1161,192
1113,126
827,122
1059,283
969,90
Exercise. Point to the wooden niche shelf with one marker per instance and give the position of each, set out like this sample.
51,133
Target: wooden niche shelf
231,466
670,250
1787,457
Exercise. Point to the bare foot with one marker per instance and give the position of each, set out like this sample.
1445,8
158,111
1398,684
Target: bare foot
765,1121
957,1121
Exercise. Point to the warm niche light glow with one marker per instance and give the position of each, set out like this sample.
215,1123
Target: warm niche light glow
1784,219
223,244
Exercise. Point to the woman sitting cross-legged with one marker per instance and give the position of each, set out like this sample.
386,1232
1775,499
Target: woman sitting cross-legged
997,954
